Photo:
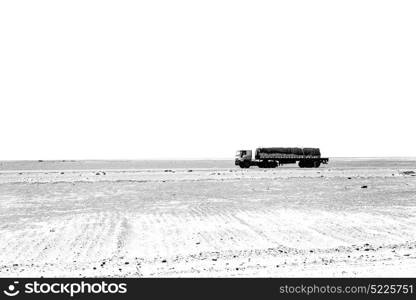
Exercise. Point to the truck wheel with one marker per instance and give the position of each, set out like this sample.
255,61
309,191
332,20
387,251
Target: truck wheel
306,164
273,164
247,164
317,164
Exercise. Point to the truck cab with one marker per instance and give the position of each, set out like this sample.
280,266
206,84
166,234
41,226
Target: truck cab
243,158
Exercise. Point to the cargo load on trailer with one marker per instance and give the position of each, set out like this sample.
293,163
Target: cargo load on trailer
275,156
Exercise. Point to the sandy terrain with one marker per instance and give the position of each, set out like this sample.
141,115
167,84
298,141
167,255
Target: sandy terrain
95,219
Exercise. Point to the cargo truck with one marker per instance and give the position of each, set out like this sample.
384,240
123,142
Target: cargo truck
274,157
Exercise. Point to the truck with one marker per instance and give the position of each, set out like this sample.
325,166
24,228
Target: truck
276,156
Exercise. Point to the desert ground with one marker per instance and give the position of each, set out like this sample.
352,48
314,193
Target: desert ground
352,217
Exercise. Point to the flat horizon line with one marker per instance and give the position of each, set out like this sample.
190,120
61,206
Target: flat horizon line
189,159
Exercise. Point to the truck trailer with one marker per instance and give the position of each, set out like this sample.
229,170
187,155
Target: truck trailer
274,157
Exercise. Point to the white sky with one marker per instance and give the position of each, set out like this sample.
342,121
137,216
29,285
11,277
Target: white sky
201,79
